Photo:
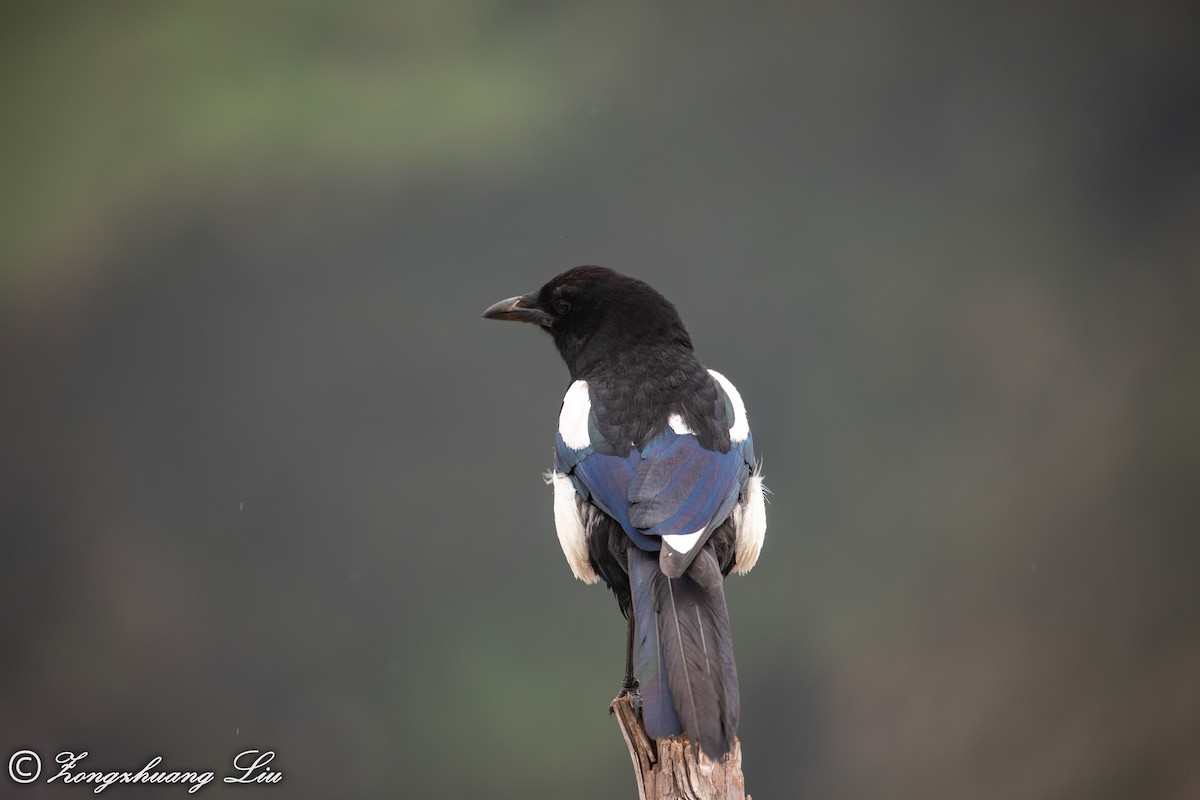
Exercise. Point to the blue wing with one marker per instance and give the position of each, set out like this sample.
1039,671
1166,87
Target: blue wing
680,487
604,481
671,486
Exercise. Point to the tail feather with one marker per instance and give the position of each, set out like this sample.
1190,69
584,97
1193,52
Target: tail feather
685,656
658,714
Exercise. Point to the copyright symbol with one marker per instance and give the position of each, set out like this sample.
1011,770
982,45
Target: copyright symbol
25,766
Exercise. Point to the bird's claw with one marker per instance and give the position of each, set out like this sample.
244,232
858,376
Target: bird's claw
630,689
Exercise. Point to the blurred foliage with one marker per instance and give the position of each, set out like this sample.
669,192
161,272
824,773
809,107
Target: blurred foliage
126,105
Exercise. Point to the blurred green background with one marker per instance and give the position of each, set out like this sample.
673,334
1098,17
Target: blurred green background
267,480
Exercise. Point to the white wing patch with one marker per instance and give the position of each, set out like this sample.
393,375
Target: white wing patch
573,419
682,542
678,425
570,525
750,526
741,425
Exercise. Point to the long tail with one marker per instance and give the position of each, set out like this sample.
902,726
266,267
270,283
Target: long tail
685,653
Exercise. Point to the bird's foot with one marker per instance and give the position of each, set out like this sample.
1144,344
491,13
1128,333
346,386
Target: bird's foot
630,689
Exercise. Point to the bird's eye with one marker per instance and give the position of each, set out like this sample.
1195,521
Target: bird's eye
562,307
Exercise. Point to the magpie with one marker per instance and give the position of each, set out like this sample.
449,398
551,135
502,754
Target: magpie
656,490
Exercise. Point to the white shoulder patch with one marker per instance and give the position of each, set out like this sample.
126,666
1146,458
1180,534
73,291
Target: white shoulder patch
573,419
678,425
741,425
682,542
750,526
571,528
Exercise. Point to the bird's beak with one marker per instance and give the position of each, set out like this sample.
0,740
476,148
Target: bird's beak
519,309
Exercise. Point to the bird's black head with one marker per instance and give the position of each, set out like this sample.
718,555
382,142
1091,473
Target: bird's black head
598,317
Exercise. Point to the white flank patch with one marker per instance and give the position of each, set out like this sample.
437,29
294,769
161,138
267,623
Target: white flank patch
679,426
572,533
741,426
750,526
682,542
573,419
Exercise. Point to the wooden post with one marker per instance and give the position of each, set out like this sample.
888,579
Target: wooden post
672,769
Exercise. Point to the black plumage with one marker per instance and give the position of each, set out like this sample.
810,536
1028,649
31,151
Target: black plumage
656,489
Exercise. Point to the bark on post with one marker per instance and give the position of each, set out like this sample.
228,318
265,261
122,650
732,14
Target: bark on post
673,769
